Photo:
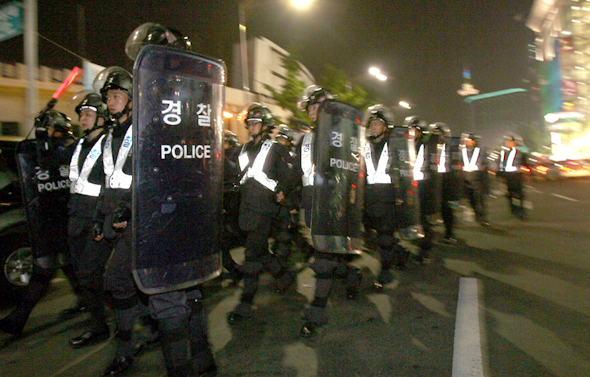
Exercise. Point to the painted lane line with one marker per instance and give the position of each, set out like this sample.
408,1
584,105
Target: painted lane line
467,355
565,197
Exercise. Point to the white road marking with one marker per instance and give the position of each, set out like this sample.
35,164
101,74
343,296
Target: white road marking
467,355
565,197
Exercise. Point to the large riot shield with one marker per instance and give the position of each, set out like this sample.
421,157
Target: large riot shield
177,168
338,191
46,192
406,190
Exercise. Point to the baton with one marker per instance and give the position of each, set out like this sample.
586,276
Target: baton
72,77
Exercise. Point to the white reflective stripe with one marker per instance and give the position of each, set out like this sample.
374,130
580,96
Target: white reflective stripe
470,165
243,158
306,164
255,171
115,178
418,175
379,175
80,184
509,164
502,160
74,171
442,163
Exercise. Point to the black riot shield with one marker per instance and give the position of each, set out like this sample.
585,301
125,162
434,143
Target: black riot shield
338,191
406,190
177,168
46,191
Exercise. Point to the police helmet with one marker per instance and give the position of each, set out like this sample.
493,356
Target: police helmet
155,34
113,78
311,95
300,125
59,121
381,113
88,99
441,128
231,138
470,136
414,121
285,131
517,139
256,111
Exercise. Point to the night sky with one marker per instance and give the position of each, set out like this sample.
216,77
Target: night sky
422,45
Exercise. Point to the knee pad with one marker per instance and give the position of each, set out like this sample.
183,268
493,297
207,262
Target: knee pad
323,267
251,268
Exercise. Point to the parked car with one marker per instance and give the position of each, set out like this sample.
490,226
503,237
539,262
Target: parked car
15,250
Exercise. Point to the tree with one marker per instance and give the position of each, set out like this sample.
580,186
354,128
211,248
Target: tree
337,82
334,79
292,89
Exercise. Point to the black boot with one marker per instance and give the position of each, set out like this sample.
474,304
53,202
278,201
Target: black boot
175,345
201,356
10,326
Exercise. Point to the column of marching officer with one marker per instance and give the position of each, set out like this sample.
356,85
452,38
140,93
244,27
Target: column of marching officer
269,185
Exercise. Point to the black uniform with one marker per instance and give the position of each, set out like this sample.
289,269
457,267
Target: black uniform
258,209
475,179
426,191
380,209
326,266
52,158
114,206
89,257
511,161
449,184
231,234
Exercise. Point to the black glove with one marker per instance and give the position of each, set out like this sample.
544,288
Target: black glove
96,229
121,213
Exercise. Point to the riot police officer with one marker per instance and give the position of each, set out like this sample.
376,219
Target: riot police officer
89,256
326,266
380,193
231,234
445,164
475,175
180,313
419,155
512,161
113,212
44,176
265,181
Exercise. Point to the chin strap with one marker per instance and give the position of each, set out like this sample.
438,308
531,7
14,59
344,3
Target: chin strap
115,117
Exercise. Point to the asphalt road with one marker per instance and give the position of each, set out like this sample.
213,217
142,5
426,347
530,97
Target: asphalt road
530,310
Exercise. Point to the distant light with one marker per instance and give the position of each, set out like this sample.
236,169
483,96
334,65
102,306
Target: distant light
374,71
404,104
581,68
381,77
551,117
566,32
576,21
575,7
301,4
227,115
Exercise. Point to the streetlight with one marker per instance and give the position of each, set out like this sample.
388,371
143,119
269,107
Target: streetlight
377,73
245,4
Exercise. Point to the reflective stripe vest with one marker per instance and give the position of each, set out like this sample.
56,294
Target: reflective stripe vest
377,175
470,164
80,184
307,165
255,171
442,162
508,165
418,174
115,178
